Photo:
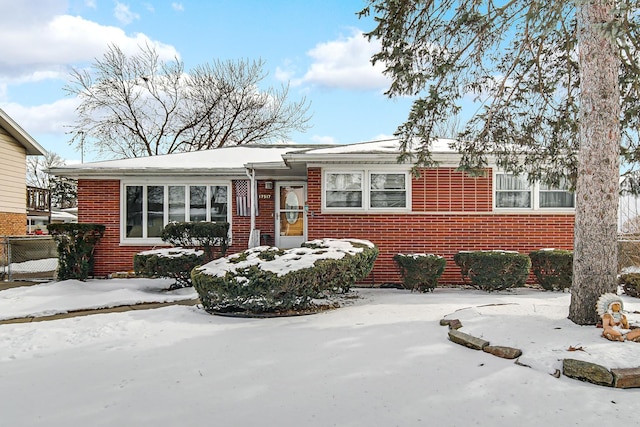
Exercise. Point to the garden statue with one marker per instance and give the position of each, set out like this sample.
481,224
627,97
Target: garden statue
614,322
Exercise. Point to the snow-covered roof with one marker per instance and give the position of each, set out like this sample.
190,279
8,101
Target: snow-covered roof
387,146
226,160
234,160
382,151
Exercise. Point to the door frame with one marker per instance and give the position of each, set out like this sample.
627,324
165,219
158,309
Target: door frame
303,238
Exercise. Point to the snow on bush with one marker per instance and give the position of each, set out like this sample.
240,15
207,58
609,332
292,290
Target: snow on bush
268,279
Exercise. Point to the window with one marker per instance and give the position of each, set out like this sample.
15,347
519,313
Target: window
366,190
512,191
387,190
148,208
343,189
552,197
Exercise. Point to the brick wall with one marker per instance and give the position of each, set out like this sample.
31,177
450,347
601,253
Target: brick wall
451,212
472,225
99,202
13,224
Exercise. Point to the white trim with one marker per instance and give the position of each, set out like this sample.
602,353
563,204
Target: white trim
535,199
366,188
278,185
145,182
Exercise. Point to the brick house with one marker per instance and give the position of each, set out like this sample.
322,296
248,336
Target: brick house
15,145
283,195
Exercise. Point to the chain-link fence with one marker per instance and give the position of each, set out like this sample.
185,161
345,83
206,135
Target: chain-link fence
629,232
33,258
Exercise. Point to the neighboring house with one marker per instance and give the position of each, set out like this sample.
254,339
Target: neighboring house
15,146
308,192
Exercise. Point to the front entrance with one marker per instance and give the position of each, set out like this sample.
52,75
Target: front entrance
291,225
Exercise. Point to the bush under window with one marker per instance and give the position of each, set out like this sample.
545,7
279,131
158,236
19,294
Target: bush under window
495,270
630,283
420,272
195,243
553,268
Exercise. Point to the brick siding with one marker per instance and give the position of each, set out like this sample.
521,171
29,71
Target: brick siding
450,212
13,224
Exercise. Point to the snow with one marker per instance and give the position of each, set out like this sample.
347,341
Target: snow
382,146
62,297
287,261
380,360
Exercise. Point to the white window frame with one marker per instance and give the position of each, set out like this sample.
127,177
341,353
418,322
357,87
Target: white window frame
366,189
144,183
535,198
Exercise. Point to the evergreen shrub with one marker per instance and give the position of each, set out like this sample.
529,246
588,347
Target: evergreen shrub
496,270
420,272
173,263
208,236
269,280
630,283
76,244
553,268
195,243
462,260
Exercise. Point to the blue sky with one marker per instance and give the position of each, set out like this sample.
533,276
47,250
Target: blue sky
316,45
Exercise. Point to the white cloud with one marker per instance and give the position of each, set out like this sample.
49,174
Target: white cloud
177,6
50,118
124,14
46,46
323,139
344,63
90,3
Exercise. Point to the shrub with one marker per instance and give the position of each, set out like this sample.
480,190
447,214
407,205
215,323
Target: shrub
497,270
270,280
194,244
553,268
420,271
199,235
174,263
462,260
630,283
76,243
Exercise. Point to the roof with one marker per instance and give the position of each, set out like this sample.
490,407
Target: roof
30,144
234,160
218,161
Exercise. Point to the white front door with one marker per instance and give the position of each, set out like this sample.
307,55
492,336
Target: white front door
291,224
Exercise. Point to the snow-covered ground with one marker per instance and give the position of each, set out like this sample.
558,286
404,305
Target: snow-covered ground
381,360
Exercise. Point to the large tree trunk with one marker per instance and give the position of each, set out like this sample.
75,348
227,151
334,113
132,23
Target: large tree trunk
595,244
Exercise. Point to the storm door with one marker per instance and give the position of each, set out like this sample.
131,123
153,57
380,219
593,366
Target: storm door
291,227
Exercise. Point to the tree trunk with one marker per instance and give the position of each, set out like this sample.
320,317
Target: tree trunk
596,220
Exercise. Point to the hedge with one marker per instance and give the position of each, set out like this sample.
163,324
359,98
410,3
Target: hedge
195,243
174,263
76,243
420,272
270,280
630,283
494,270
553,268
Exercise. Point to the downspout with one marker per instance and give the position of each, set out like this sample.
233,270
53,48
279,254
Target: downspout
254,235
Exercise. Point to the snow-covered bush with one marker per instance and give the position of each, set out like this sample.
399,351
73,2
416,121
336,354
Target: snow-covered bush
494,270
420,272
195,243
630,283
207,236
553,268
266,279
173,263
